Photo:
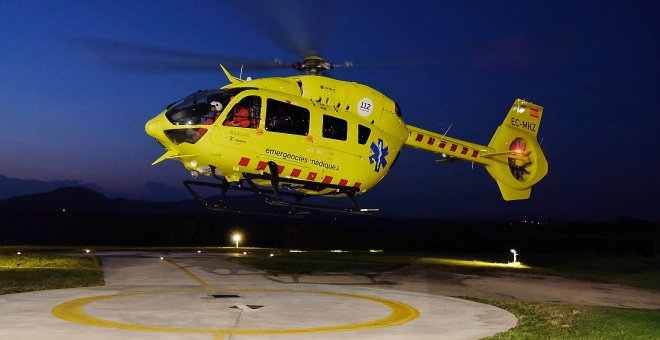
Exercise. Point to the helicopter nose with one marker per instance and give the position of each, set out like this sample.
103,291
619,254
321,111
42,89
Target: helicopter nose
153,127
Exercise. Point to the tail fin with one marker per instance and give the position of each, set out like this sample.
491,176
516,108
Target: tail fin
513,157
518,161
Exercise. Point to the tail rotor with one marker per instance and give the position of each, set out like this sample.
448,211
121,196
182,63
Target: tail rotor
519,160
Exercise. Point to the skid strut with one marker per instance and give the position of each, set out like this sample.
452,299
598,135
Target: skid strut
275,195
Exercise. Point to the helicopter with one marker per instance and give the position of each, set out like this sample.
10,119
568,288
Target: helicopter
291,138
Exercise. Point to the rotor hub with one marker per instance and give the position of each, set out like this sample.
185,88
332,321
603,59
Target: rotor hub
313,65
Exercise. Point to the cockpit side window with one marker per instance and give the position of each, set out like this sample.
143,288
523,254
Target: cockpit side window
246,113
286,118
199,106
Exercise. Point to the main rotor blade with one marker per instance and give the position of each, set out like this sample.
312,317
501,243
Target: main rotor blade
151,59
301,27
510,54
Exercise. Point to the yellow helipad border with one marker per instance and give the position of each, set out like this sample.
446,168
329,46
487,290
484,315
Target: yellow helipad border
73,311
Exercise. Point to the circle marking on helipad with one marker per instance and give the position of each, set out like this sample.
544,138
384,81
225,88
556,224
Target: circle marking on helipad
73,311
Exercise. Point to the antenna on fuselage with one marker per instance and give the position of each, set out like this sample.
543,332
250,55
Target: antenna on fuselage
240,75
445,134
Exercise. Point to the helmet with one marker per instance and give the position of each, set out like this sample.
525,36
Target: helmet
217,105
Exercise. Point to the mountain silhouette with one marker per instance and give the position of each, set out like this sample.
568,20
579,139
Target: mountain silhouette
79,199
84,200
11,187
149,191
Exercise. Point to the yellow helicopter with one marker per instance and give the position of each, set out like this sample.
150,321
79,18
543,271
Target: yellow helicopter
288,139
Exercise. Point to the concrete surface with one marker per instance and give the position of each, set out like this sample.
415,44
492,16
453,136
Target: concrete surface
200,296
522,287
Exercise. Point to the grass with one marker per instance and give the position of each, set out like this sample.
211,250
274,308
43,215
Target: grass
30,272
285,262
635,272
307,262
541,320
469,263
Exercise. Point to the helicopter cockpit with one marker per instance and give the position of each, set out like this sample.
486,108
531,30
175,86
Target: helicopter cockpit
192,109
196,109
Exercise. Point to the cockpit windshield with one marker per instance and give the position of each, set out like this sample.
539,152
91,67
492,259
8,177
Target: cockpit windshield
191,110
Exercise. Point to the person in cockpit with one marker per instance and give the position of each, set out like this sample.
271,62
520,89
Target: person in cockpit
216,110
240,117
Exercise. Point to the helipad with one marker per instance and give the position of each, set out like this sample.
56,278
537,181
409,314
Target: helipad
190,296
280,303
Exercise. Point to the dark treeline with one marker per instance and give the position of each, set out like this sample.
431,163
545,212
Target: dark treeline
79,216
625,236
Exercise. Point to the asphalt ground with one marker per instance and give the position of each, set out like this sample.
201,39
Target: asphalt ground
205,296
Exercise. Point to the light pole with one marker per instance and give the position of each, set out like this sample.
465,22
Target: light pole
237,238
515,254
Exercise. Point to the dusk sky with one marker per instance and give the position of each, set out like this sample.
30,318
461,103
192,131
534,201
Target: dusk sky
593,65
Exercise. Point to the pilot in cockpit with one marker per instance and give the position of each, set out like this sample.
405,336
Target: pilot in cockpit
216,110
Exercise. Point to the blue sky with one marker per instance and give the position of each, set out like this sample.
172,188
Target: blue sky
592,64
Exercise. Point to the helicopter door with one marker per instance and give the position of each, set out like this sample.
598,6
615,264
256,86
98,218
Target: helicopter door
338,145
240,123
245,114
286,137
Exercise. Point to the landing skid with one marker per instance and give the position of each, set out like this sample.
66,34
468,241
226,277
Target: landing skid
275,194
221,203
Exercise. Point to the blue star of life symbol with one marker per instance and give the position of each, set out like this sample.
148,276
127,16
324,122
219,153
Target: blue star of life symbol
379,153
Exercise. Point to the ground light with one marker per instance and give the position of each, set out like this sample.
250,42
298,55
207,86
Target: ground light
237,238
470,263
515,256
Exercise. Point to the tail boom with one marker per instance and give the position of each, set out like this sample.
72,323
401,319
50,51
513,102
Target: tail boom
447,146
513,157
